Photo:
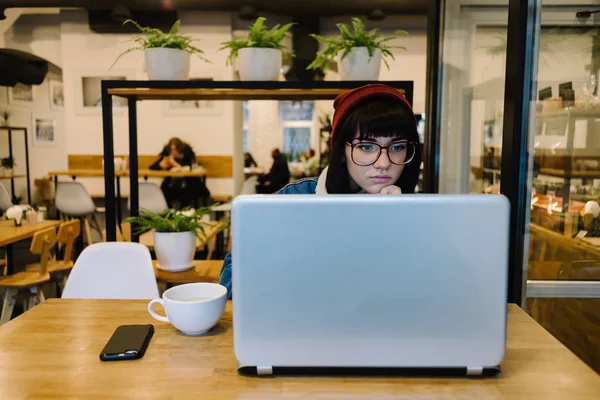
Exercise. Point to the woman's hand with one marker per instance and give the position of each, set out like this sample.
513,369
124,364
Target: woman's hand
165,163
391,189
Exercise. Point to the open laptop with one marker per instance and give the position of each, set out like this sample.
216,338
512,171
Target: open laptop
411,281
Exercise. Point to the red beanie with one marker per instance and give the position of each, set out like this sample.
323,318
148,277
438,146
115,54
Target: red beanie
346,101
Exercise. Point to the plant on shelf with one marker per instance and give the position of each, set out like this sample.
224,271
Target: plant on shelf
167,55
259,54
5,117
360,51
175,234
8,165
325,122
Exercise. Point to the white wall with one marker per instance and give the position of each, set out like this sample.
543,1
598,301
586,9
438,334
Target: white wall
39,35
88,53
67,41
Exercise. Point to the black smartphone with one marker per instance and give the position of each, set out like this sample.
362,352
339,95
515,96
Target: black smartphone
128,342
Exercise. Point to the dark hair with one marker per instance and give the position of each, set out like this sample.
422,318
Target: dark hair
178,143
374,118
311,152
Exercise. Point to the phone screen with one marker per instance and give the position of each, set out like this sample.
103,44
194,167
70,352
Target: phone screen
128,342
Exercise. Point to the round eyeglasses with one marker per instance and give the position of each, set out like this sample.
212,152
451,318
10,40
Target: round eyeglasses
399,153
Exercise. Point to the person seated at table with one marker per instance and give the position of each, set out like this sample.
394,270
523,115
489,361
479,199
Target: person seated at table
374,150
184,191
278,176
249,161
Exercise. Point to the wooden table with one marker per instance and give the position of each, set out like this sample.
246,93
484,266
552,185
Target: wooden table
52,352
145,173
9,234
203,271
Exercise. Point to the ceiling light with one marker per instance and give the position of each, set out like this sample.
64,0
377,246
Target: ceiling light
376,15
120,13
247,13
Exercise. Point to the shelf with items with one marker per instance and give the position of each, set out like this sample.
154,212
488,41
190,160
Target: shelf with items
9,131
135,91
567,166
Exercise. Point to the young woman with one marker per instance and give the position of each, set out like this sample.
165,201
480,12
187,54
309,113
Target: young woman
185,191
375,150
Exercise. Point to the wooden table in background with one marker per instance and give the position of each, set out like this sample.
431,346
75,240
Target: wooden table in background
202,271
143,173
9,234
52,352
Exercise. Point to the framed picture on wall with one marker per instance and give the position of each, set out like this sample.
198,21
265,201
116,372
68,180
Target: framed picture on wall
88,90
20,95
57,95
193,108
44,134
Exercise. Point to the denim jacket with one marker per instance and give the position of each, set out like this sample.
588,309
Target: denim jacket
302,186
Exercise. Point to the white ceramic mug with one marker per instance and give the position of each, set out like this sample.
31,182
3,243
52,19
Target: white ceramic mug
193,308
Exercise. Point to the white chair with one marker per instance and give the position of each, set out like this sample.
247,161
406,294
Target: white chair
151,198
113,270
250,185
5,202
73,200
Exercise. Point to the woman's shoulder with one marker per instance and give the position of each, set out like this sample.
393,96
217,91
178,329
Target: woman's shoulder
301,186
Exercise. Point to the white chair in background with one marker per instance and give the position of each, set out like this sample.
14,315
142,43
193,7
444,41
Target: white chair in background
5,202
73,200
250,185
113,270
151,198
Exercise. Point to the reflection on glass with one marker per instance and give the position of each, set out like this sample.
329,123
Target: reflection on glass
564,234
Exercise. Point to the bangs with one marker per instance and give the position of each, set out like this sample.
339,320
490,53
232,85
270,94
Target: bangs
380,118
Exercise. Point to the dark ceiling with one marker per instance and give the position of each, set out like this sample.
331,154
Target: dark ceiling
285,7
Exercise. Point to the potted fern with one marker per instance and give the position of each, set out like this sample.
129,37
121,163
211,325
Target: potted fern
259,54
175,234
167,55
360,51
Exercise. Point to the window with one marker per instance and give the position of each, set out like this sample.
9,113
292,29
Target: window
296,121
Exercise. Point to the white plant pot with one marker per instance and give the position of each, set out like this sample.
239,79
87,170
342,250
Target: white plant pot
167,64
175,250
258,64
357,66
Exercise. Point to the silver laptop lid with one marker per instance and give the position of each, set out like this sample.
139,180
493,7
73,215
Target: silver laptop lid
370,281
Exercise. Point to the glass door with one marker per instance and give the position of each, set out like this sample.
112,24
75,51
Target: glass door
563,263
562,260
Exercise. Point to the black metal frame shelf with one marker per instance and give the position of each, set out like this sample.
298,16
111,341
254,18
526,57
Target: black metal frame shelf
10,130
136,91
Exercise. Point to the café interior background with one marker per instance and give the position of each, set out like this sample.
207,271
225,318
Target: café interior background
474,63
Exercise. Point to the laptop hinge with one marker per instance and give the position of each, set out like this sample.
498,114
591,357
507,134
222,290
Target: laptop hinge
474,371
264,370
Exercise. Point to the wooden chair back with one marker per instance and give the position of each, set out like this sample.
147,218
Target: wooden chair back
68,232
41,244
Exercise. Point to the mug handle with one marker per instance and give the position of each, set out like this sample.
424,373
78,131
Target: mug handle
155,315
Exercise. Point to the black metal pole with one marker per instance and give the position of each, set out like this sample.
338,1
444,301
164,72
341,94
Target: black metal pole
517,95
431,145
109,165
10,154
134,200
27,166
118,202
